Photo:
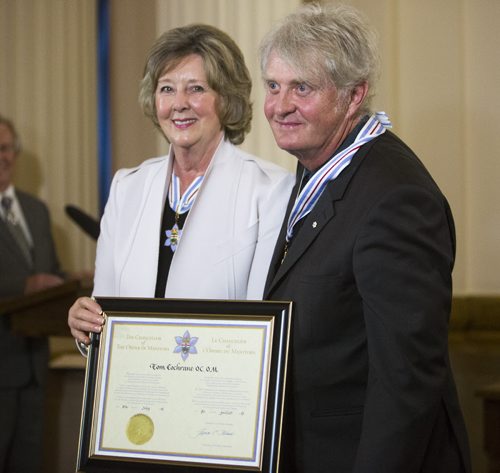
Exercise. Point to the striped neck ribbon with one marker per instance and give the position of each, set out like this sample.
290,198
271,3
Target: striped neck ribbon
309,195
181,204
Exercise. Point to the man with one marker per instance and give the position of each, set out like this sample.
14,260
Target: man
28,263
366,253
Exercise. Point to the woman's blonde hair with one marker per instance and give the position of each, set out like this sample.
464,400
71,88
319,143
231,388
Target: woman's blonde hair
224,66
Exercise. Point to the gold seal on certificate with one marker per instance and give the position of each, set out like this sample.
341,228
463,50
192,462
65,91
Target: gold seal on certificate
140,429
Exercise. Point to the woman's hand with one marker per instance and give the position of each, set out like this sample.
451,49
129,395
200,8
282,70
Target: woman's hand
85,316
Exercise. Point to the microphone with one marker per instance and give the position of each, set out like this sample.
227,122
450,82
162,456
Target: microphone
87,223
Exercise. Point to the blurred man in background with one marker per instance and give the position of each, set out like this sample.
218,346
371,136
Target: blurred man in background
28,263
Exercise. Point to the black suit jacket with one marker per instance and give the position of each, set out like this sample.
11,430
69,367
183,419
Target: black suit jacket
22,359
369,271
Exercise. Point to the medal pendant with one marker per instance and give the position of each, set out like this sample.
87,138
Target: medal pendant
173,237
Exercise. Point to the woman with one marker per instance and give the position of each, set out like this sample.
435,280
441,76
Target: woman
202,221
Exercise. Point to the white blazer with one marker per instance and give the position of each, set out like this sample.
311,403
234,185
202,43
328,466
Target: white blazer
228,238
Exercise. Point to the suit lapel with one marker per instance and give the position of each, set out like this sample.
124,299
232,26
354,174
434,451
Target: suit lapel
314,223
7,237
312,226
31,216
8,240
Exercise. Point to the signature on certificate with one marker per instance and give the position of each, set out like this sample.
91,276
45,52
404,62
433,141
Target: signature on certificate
214,433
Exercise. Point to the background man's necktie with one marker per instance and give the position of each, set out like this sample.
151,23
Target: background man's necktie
15,229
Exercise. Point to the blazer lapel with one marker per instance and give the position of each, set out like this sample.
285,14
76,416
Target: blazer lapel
147,227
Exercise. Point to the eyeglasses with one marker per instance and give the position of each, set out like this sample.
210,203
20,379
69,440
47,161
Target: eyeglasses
7,148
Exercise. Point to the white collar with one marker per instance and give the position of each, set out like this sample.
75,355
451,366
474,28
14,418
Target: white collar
9,192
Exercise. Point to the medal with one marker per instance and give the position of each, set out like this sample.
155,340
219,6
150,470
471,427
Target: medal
180,205
173,235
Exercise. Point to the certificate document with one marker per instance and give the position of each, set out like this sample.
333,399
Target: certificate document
184,389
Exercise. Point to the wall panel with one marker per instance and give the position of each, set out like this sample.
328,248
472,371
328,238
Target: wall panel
431,100
47,77
440,69
482,144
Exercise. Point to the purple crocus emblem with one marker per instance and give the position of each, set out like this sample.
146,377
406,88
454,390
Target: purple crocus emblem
186,345
173,237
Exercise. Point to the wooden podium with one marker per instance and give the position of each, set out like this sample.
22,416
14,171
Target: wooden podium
43,313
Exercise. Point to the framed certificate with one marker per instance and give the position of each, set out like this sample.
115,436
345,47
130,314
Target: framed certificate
185,386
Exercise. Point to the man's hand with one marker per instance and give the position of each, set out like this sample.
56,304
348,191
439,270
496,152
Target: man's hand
40,281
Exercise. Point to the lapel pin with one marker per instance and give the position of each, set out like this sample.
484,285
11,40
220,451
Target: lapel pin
314,224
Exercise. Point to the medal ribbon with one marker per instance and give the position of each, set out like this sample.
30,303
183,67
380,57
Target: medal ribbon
182,204
309,195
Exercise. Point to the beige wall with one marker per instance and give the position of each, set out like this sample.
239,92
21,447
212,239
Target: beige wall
440,65
441,70
47,87
481,139
132,34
